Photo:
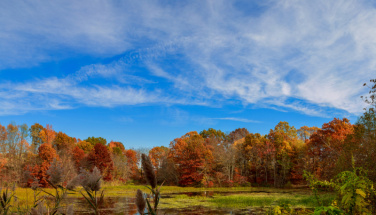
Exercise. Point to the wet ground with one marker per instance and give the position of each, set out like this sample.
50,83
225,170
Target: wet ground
126,205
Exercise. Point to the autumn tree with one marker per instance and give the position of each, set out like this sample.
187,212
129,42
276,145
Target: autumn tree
237,134
47,135
116,147
100,157
95,140
3,139
15,149
251,149
224,154
63,142
121,168
34,133
46,154
78,156
361,144
192,158
305,132
283,138
157,155
132,163
86,146
325,146
211,133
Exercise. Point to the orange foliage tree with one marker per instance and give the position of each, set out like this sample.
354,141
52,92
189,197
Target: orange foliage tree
325,146
63,142
116,147
192,158
47,135
131,156
46,155
157,155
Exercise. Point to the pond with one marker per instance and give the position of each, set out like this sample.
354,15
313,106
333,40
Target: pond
126,205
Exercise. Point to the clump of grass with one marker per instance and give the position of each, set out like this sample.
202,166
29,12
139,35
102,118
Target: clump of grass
244,201
5,200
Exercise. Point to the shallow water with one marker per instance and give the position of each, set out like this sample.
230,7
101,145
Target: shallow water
126,205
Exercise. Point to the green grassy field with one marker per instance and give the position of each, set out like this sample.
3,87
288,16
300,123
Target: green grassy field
180,197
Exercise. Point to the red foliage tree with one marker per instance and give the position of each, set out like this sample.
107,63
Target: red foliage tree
78,156
192,158
101,158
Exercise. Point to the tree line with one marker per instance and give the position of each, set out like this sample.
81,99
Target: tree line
206,158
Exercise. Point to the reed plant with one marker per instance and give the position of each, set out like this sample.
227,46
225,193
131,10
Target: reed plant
143,200
92,184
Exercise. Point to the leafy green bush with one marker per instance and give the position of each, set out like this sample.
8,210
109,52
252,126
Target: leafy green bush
355,192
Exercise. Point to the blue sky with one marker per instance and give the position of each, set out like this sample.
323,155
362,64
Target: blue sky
146,72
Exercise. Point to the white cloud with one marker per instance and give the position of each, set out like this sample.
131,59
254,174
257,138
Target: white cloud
317,52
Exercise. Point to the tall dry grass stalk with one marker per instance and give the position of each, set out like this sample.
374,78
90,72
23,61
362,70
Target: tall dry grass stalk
152,180
148,168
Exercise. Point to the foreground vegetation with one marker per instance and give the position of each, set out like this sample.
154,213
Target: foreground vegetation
178,197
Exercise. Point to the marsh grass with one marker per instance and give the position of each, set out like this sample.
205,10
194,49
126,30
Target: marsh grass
245,201
174,198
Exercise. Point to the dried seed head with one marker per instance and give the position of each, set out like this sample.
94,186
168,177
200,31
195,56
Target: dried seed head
147,166
94,180
73,183
140,202
90,180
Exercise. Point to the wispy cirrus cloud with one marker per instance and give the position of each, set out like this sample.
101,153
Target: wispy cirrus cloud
296,55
